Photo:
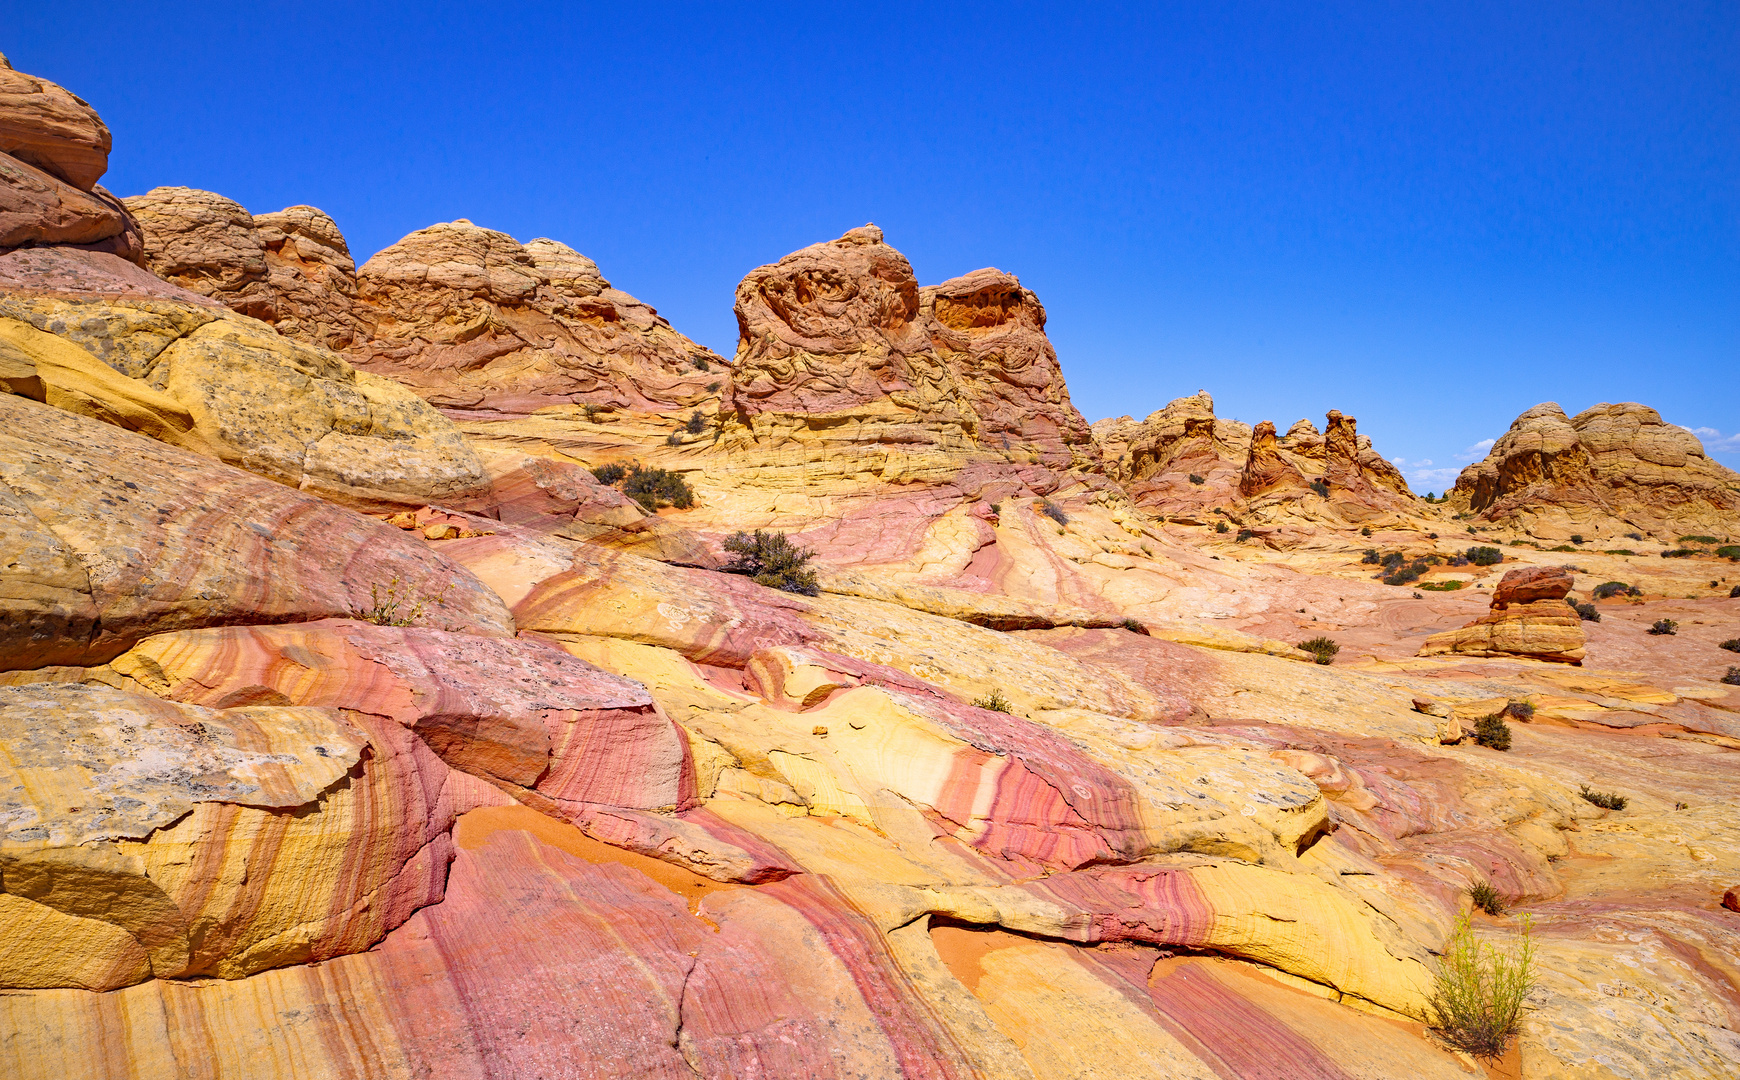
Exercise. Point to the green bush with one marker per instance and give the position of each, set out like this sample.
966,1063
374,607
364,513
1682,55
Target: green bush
1619,551
1478,995
771,559
995,701
1442,586
1729,551
1733,677
1576,538
1365,530
697,423
700,363
1220,527
1734,593
1321,487
1323,648
1483,556
1053,511
1195,479
611,474
1371,556
713,387
653,488
1492,732
1606,800
1519,710
1615,588
1243,535
1486,898
1732,644
1664,627
1697,539
1680,553
1587,612
1133,626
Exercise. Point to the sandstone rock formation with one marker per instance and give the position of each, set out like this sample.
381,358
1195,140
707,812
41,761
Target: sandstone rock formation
1529,618
1609,470
53,149
1037,787
485,327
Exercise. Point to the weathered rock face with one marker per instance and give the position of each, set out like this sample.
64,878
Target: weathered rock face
239,391
206,244
53,149
107,537
487,328
1529,618
1266,471
840,336
311,276
1609,470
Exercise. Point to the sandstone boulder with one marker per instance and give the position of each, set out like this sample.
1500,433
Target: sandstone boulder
206,244
1266,471
45,126
1609,470
488,328
53,149
1529,618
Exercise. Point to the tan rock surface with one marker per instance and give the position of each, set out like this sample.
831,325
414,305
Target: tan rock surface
45,126
1609,470
1529,617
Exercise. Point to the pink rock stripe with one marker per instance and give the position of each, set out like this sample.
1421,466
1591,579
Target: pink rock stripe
1227,1033
1158,906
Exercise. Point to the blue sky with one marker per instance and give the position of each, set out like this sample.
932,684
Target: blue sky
1429,216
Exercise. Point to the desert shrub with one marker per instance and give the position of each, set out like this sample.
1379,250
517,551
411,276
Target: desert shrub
697,423
1606,800
700,363
1587,612
1729,551
1053,511
1663,627
995,701
1323,648
1732,644
1680,553
1471,530
653,488
1615,588
1576,538
1132,626
771,559
1734,593
1404,575
1431,536
1563,547
1393,560
1634,536
611,474
591,412
1733,677
394,606
1458,560
1320,487
1371,556
1483,556
1443,586
1478,995
1195,479
1619,551
1492,732
1486,898
1699,539
1519,710
1220,527
1365,530
1243,535
713,387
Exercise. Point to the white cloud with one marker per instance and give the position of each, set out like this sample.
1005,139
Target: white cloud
1430,479
1477,451
1716,442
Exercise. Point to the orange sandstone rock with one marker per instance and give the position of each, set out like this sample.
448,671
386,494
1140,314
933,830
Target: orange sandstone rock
1265,470
1529,617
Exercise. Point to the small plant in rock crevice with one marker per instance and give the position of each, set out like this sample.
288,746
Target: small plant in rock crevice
1586,612
1053,511
1664,627
1323,648
1732,678
1486,898
771,559
393,606
1197,480
1221,527
697,423
1732,644
1320,487
995,701
1608,589
1479,992
1132,626
1606,800
611,474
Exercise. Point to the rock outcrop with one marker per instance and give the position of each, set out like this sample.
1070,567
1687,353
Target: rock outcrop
487,328
53,150
1609,470
1529,618
1266,472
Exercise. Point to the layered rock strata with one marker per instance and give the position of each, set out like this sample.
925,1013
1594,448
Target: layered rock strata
1609,470
1529,618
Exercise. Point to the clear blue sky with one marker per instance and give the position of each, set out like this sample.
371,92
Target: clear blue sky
1431,216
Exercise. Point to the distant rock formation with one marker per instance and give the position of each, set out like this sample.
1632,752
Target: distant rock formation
1609,470
1266,472
1529,618
53,150
1155,458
